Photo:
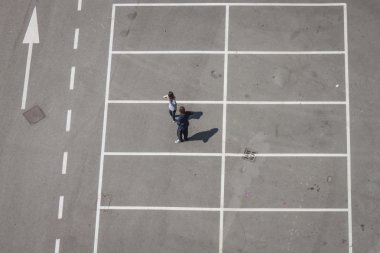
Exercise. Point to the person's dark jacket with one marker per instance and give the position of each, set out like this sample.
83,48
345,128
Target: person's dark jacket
183,121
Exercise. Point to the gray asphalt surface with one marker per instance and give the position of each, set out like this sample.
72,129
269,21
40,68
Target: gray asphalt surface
31,155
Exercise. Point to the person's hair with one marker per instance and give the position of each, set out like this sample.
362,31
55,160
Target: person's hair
182,110
171,95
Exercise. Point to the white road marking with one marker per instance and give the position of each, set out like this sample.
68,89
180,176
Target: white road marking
79,5
102,153
72,78
230,102
218,209
26,79
231,52
57,243
64,163
287,52
68,121
348,131
60,207
76,38
224,122
223,154
31,37
226,154
230,4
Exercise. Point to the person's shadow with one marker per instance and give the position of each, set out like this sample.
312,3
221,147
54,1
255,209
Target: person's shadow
203,136
194,115
200,136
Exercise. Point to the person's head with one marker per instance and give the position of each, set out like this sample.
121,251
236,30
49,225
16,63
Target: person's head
182,110
171,95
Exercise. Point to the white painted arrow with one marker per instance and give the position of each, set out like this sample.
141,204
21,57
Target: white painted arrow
31,37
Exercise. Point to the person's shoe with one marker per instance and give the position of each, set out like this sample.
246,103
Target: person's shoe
177,141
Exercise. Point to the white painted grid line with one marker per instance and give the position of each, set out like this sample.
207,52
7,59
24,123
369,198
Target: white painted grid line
64,163
228,4
76,38
231,102
348,133
229,52
79,5
57,244
226,154
100,183
218,209
223,160
224,103
68,121
26,79
72,77
60,207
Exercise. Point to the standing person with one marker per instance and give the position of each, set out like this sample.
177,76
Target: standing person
172,104
183,125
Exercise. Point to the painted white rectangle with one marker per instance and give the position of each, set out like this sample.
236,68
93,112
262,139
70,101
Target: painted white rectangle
79,5
72,78
68,121
57,244
60,207
76,38
64,163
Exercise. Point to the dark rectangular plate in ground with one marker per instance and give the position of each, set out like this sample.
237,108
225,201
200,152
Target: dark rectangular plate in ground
34,115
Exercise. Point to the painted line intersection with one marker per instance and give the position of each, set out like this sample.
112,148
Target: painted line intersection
225,102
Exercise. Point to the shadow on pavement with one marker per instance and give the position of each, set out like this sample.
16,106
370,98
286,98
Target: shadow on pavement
203,136
195,115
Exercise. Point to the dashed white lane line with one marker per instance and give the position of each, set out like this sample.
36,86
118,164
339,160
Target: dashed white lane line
68,121
79,5
57,243
60,207
64,163
72,78
76,38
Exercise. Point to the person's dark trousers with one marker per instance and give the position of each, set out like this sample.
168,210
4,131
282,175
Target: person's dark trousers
172,114
183,133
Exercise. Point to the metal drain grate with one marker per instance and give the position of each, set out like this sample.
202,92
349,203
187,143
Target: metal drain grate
249,155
